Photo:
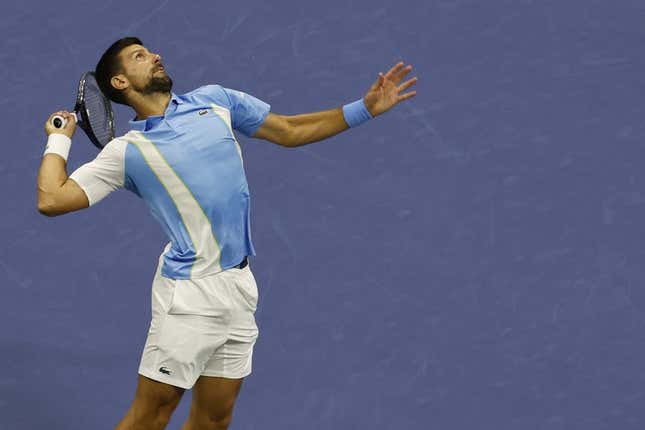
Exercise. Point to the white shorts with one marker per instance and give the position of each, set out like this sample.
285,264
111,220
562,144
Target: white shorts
201,326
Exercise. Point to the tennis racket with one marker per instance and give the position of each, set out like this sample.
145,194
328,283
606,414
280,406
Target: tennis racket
93,112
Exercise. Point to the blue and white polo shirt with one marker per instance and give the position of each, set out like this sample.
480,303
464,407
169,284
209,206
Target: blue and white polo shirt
187,166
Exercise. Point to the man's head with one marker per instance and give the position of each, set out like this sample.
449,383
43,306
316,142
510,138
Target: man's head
127,67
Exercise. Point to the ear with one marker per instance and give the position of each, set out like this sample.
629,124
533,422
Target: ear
120,82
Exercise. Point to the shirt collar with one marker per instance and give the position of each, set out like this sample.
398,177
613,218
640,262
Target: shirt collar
151,121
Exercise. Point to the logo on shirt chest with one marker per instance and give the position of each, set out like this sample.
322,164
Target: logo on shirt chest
203,112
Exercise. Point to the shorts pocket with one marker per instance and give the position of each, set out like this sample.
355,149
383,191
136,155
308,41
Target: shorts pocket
248,288
202,296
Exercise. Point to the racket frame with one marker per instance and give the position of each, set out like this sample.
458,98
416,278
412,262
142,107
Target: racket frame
81,109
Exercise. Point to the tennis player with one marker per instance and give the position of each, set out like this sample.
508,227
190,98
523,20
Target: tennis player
182,158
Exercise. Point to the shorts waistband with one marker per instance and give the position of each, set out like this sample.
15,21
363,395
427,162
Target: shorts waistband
242,264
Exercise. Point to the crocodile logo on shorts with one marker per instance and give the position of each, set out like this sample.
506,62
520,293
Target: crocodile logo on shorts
203,112
165,371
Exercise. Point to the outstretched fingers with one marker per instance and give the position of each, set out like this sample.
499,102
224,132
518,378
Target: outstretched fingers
398,72
402,73
404,86
407,84
406,96
394,70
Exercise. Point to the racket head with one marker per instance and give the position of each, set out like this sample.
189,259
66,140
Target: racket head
95,111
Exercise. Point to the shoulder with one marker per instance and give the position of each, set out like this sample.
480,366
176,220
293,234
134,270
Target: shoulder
211,93
206,89
115,147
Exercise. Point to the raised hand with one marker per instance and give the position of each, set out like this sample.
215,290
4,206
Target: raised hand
69,128
386,92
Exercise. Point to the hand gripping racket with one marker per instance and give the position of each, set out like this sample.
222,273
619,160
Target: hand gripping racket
93,112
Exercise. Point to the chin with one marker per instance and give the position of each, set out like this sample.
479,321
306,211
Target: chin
158,85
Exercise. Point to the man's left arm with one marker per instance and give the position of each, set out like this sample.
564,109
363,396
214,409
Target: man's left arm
297,130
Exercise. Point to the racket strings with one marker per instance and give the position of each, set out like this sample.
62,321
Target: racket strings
99,112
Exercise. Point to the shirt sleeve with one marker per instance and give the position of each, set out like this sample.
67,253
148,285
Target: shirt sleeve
104,174
247,112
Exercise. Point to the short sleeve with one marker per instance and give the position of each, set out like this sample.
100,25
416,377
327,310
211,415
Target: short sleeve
104,174
247,112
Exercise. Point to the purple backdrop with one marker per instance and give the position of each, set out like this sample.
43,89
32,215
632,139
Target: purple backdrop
471,259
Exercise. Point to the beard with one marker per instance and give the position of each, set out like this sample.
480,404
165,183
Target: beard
157,85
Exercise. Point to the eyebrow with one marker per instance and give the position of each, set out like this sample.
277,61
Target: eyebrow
135,51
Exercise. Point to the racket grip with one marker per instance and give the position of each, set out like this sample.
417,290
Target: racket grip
60,122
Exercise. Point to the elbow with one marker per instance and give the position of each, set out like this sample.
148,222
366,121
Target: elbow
287,143
44,212
289,138
46,208
292,140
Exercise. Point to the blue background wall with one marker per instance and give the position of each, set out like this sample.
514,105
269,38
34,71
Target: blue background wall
471,259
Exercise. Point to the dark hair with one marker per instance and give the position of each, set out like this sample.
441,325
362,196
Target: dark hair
110,65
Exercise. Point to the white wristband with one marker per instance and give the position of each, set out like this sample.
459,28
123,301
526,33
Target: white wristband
58,144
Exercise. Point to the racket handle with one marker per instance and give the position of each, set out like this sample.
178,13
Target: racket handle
60,122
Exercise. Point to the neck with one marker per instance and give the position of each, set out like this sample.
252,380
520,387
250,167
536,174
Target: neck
146,105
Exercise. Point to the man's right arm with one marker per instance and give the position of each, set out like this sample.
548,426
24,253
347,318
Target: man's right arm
90,183
56,193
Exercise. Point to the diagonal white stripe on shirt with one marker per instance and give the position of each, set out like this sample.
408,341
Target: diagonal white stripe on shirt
195,221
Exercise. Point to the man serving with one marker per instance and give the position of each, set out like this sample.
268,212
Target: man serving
182,158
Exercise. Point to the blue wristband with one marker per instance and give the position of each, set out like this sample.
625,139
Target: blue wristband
356,113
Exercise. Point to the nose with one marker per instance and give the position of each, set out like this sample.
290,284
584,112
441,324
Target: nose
157,58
